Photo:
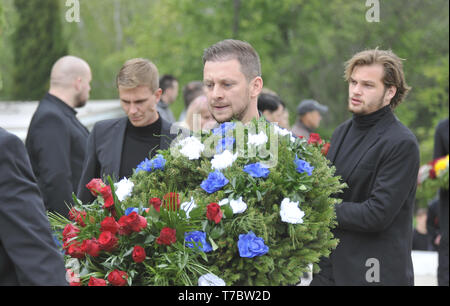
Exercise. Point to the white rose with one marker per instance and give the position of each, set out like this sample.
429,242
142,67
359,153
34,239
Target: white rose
259,139
223,160
290,212
123,189
210,280
280,131
191,147
238,206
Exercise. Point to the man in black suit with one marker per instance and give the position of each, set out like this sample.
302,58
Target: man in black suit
28,255
378,157
440,150
117,146
56,140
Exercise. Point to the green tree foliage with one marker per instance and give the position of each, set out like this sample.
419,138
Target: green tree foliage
37,43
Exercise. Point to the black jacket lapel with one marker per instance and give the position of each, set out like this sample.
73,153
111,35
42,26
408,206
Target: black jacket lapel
116,138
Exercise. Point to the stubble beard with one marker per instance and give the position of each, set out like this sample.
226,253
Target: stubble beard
238,115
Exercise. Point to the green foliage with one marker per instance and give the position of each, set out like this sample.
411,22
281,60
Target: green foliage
37,43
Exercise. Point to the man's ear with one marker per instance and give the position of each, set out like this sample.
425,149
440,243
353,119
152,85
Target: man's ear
158,93
256,86
77,83
390,92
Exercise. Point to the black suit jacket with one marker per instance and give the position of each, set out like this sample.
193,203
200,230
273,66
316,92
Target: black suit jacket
104,151
441,142
375,217
56,143
28,254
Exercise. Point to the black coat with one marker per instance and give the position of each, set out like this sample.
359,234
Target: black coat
56,143
441,142
441,149
375,217
28,254
104,151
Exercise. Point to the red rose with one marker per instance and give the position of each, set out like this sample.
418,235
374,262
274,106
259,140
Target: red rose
78,216
70,231
93,281
136,222
314,138
107,241
117,278
138,254
167,236
325,149
156,203
125,228
91,247
109,224
432,172
95,185
131,223
213,212
108,199
74,249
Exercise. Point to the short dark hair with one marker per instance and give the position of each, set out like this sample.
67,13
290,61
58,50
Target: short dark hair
242,51
191,91
166,82
268,102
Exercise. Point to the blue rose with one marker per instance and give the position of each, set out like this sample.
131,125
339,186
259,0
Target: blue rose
224,128
197,240
225,144
156,163
250,246
257,170
129,210
159,162
145,165
215,181
303,166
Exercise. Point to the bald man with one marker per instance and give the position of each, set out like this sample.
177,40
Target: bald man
56,140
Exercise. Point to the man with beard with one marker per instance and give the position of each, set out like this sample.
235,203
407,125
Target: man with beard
56,140
232,78
378,158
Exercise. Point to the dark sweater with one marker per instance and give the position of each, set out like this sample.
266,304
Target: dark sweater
139,143
355,136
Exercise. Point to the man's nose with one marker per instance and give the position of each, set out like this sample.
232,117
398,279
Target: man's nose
356,89
217,92
133,108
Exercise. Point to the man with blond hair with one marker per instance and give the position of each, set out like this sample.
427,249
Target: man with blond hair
117,146
378,158
56,140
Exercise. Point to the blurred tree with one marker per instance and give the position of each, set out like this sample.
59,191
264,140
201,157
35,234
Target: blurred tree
37,43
